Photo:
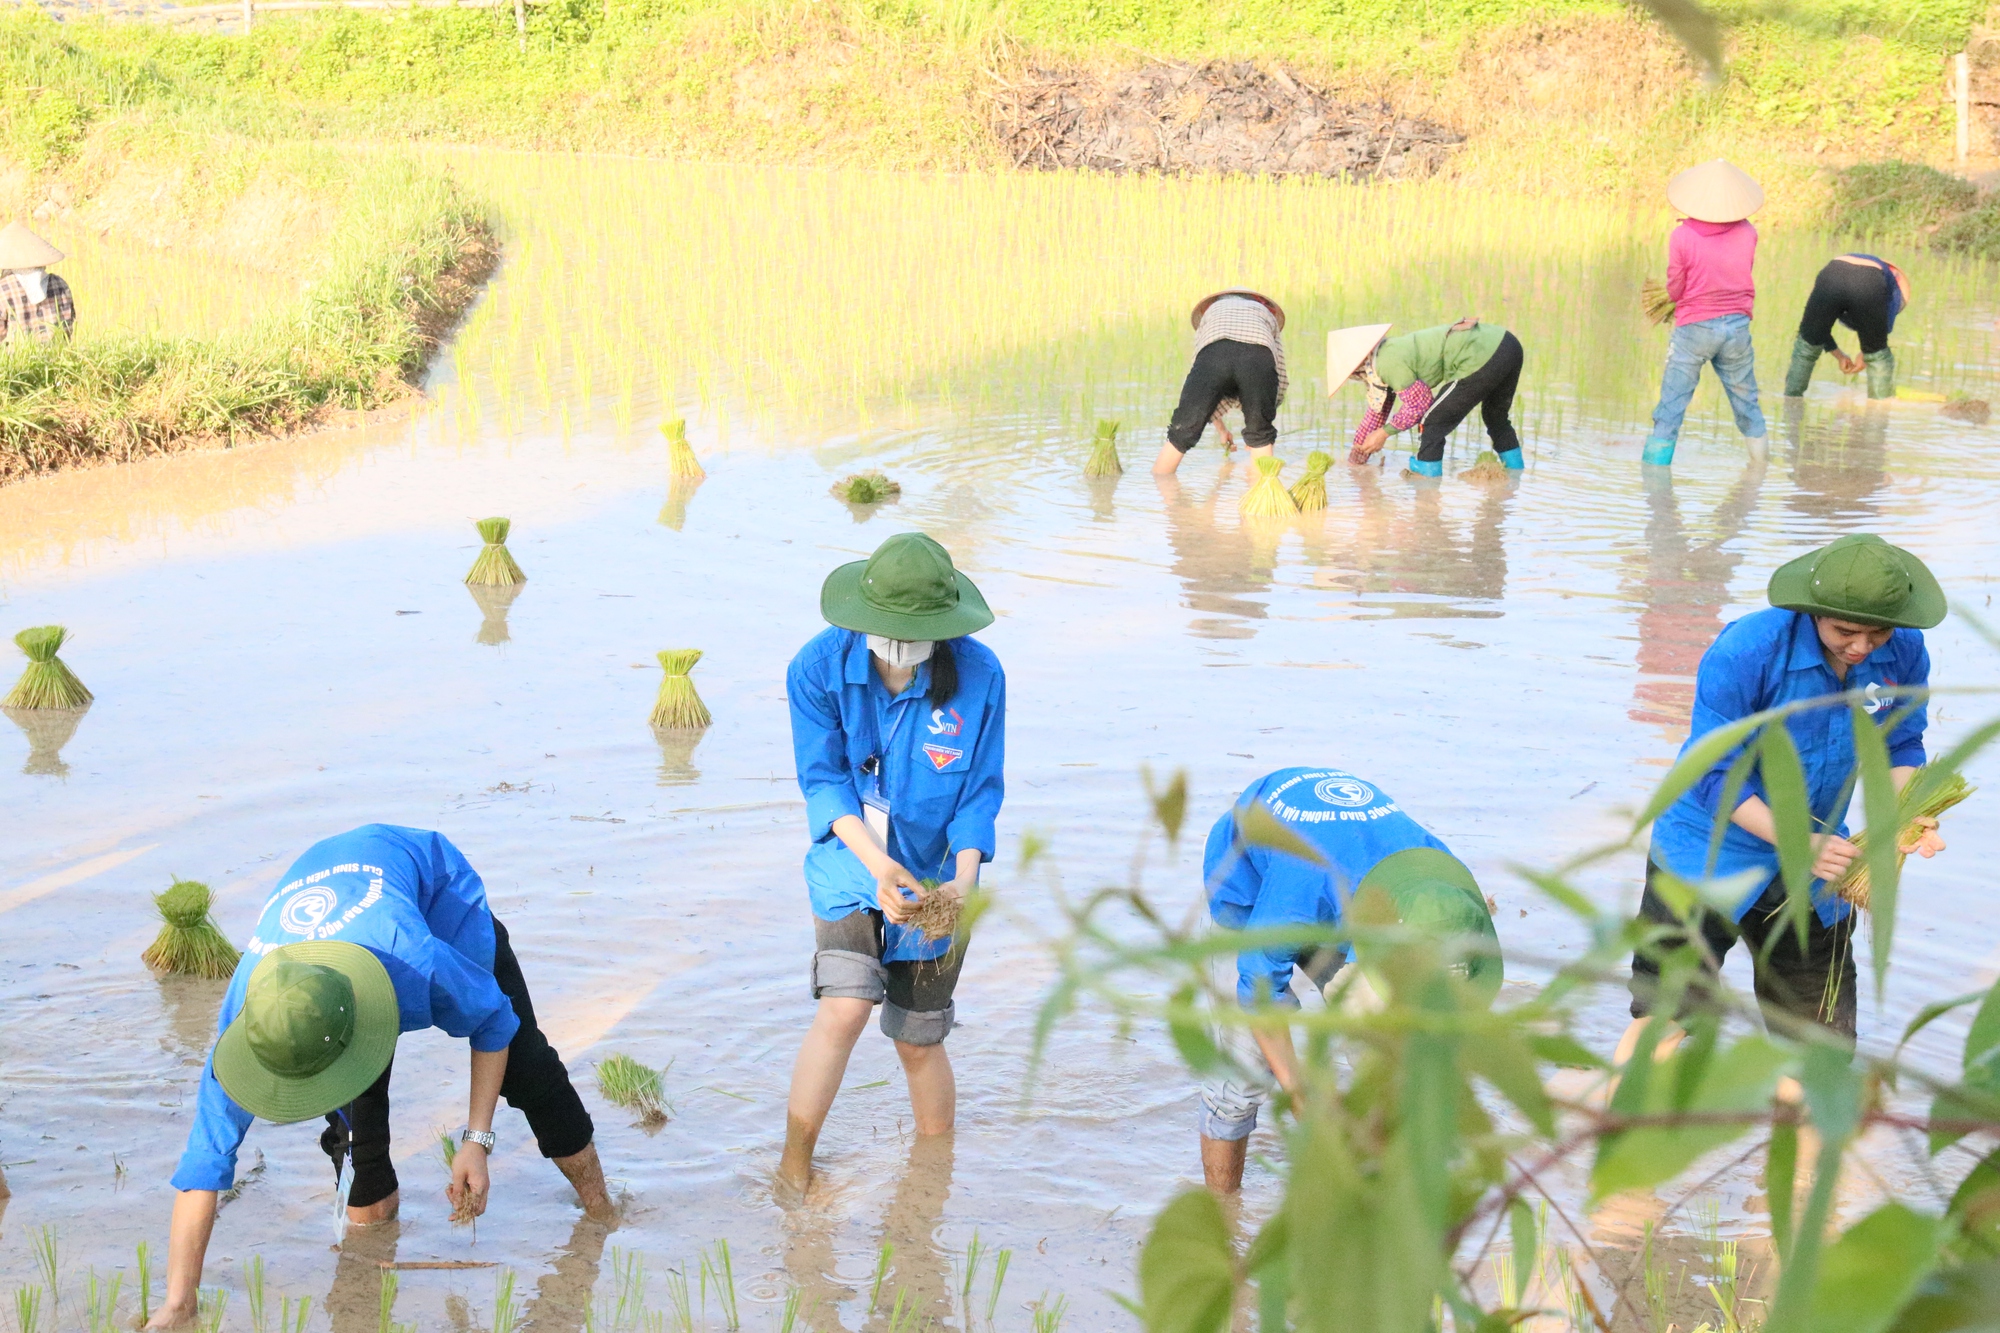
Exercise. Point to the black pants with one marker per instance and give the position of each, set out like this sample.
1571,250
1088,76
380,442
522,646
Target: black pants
1489,388
536,1085
1222,370
1855,294
1790,981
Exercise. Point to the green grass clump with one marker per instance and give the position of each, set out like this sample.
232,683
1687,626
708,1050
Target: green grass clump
47,683
1309,493
1267,497
1486,467
681,461
866,488
495,566
679,707
627,1083
189,942
1897,200
1103,461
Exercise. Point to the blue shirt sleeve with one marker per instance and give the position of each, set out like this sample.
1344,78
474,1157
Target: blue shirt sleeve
219,1126
985,784
1728,687
819,744
1906,739
467,1002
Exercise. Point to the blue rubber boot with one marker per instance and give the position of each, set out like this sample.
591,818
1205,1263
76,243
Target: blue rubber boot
1659,453
1419,468
1511,460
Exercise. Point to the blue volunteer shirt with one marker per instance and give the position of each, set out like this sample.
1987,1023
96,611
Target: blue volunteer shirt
408,897
1354,824
1767,659
939,768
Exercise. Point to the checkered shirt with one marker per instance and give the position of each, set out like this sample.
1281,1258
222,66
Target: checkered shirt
22,318
1242,320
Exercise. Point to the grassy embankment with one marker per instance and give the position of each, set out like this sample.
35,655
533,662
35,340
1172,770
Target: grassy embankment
338,272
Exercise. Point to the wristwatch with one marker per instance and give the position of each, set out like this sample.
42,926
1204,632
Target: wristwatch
485,1138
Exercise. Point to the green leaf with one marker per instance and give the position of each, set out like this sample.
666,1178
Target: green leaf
1170,805
1933,1011
1879,804
1871,1272
1833,1090
1693,766
1274,1293
1984,1034
1565,1051
1430,1103
1526,1235
1187,1270
1739,1079
1976,1097
1975,1207
1258,827
1781,1176
1954,1300
1362,1260
1508,1063
1791,812
1191,1035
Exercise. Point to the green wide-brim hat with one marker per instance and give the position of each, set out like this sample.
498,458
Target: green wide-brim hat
908,589
1435,893
262,1091
1863,579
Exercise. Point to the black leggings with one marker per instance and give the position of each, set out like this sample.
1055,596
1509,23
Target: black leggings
1222,370
1855,294
1491,389
1789,982
537,1085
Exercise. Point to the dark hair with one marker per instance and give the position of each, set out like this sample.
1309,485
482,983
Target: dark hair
944,673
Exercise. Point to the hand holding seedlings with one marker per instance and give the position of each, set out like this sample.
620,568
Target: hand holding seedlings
469,1183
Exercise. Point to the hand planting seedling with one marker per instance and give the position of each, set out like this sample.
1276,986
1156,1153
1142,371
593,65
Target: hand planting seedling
189,943
1103,461
627,1083
681,461
866,488
679,708
47,683
1268,498
495,565
1309,494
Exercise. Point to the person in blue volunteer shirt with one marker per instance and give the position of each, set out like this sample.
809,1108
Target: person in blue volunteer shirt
899,729
372,933
1364,840
1849,616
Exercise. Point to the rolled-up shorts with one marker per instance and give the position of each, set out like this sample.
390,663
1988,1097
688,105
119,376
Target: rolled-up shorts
1229,1104
915,996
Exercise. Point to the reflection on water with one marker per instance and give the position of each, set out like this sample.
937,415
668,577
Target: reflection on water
494,601
1221,561
680,493
47,730
1840,466
677,746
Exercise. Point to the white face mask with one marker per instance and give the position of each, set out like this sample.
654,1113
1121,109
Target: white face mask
36,281
902,654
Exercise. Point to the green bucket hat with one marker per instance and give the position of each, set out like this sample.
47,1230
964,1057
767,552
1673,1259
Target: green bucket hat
1434,892
907,590
1863,579
318,1025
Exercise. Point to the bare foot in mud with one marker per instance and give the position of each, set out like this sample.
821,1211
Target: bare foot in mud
382,1210
793,1179
586,1173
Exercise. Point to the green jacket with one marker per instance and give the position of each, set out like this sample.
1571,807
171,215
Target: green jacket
1438,356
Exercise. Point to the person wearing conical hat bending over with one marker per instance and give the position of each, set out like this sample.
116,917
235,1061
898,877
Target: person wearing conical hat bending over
372,933
1849,616
1709,261
899,728
1866,294
1239,358
1364,841
1429,380
34,303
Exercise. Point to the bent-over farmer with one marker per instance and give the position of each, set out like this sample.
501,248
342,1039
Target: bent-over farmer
1239,359
1866,294
1367,841
372,933
1429,380
899,724
1849,616
34,303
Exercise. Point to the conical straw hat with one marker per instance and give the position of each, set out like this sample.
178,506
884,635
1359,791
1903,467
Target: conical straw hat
21,248
1715,192
1346,349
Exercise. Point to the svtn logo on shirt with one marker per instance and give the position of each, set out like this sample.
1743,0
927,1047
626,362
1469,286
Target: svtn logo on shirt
941,727
1876,703
942,756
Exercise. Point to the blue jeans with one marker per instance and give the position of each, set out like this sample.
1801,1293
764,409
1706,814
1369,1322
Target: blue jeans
1725,341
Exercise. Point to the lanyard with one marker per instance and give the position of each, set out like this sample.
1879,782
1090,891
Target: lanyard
876,764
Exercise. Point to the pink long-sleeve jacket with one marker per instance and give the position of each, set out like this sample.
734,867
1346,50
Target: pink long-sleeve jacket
1708,270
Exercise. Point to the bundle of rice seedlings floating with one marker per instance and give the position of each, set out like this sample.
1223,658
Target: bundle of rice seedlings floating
494,602
189,943
1103,461
866,488
1268,498
1654,302
47,683
1487,467
679,708
1309,494
495,567
681,461
937,916
1929,804
627,1083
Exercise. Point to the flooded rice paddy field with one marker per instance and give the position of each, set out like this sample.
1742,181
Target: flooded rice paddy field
281,647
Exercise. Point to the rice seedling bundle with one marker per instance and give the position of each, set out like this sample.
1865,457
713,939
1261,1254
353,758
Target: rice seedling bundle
937,915
189,942
1487,467
681,461
627,1083
495,566
47,683
1927,804
866,488
1103,461
679,708
1268,498
1310,492
1654,301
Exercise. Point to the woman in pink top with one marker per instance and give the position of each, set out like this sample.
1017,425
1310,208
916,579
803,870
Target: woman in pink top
1709,260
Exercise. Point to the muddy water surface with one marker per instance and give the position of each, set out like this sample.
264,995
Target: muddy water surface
281,648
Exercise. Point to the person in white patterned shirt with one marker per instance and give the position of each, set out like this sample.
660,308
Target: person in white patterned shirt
1239,359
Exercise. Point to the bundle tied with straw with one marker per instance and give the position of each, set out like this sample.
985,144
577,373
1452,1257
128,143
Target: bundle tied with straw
495,567
681,461
679,708
866,488
1309,494
1268,498
627,1083
1103,461
1920,800
189,942
1657,306
47,683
